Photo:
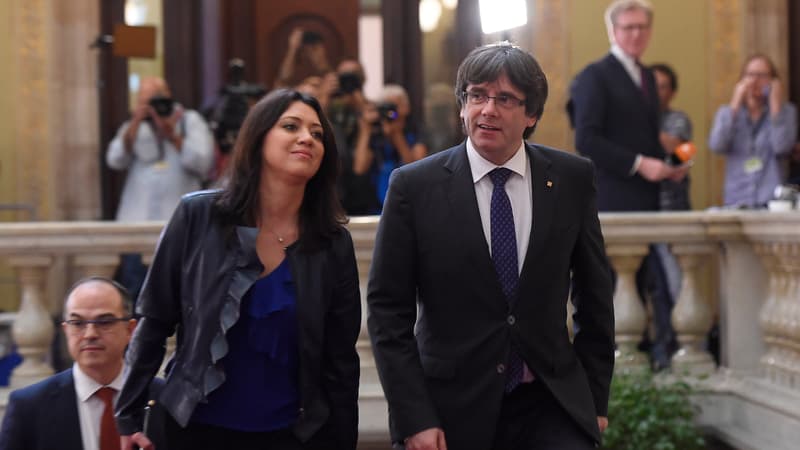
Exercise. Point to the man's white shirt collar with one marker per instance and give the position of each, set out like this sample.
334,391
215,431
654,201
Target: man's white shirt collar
481,166
85,386
628,62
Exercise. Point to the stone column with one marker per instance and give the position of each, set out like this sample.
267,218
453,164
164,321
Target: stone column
630,317
780,314
691,317
33,329
97,264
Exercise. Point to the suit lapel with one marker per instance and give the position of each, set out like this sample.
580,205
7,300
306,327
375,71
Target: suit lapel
545,191
648,101
62,412
466,218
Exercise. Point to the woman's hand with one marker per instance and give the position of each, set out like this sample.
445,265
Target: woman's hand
739,92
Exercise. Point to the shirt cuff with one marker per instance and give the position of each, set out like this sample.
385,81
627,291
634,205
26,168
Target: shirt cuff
636,163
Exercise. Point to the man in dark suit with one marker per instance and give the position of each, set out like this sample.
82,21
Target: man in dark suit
475,254
69,410
614,108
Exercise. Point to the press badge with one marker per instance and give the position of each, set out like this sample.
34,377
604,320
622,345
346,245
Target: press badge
753,165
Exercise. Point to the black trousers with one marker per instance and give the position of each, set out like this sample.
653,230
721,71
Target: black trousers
532,419
198,436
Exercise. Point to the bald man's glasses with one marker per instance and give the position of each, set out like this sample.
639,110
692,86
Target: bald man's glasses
102,325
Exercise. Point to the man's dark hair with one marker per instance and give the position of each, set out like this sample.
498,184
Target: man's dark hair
311,38
490,62
321,214
667,70
125,296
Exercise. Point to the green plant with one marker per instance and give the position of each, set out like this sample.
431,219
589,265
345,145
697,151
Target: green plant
649,414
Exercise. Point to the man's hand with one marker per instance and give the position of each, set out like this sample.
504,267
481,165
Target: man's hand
602,423
430,439
138,438
655,170
166,126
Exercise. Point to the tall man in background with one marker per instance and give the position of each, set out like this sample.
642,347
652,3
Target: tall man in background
614,108
474,257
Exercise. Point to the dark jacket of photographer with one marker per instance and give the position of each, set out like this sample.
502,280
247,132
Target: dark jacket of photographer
200,272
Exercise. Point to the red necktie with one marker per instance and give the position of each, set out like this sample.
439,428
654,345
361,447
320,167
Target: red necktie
109,437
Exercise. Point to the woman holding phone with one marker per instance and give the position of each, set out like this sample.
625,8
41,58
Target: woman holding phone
755,132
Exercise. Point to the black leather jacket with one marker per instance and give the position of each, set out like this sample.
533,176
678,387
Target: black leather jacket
199,274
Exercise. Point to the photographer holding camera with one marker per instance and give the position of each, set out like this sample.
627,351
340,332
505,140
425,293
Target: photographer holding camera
399,141
167,151
352,116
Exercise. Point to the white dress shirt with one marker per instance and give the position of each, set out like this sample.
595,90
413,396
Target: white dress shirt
628,63
520,192
90,408
519,189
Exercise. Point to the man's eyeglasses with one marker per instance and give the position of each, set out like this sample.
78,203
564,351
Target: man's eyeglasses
503,100
102,324
640,27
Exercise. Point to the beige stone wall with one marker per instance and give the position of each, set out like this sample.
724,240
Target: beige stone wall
49,151
48,108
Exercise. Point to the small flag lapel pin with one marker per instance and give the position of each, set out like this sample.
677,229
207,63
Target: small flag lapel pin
549,183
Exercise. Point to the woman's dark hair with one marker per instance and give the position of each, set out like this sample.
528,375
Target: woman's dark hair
667,70
321,214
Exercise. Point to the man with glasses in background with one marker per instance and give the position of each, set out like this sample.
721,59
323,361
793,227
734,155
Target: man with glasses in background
73,409
476,251
614,108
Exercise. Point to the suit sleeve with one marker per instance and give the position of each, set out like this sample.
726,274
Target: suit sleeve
341,364
592,289
392,312
12,436
590,105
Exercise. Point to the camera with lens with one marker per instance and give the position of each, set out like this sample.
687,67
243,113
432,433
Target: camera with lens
162,105
387,111
229,111
349,82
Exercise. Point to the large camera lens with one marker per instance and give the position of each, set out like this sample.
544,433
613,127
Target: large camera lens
349,82
163,106
387,111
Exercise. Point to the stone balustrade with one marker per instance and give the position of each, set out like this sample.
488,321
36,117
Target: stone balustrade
750,260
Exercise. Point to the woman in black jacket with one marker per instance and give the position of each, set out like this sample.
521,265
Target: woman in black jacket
260,283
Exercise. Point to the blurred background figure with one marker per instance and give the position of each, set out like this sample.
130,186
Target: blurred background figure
755,132
227,114
352,117
168,151
676,129
400,140
306,56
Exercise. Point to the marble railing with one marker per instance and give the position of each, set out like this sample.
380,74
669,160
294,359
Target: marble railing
743,267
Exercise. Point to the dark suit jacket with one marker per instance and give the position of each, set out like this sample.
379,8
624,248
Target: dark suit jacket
44,416
431,253
613,123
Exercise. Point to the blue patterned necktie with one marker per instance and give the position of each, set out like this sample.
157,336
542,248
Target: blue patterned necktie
504,256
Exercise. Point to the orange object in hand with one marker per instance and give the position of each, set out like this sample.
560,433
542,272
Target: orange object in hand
685,152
